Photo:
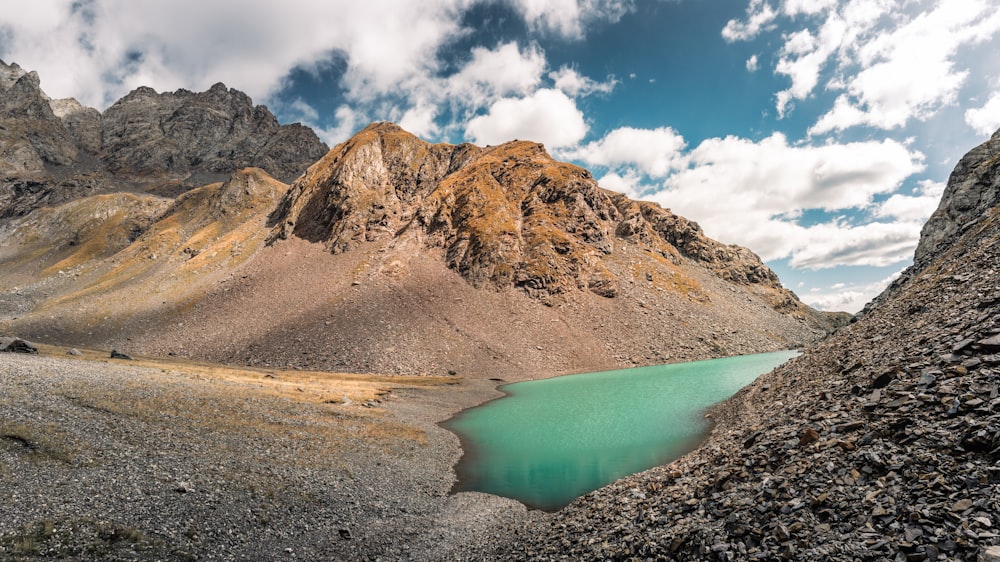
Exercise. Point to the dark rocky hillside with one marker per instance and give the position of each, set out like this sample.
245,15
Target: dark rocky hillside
53,151
880,443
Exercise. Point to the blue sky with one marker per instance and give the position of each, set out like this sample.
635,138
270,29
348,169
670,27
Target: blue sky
818,133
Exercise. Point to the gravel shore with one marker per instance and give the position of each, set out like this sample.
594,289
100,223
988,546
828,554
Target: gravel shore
106,460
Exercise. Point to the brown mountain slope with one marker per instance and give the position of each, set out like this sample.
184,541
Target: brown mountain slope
92,266
505,216
880,443
394,255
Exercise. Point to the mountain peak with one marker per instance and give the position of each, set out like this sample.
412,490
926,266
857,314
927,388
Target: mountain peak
9,74
502,216
146,141
383,127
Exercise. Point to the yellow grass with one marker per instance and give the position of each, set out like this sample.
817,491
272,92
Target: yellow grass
342,404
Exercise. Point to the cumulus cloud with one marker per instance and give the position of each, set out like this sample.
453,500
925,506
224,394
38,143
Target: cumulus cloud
767,194
760,16
116,45
547,115
300,107
653,151
630,183
420,120
985,120
778,175
575,84
838,243
912,208
98,50
844,297
568,18
892,63
490,73
348,122
752,64
754,193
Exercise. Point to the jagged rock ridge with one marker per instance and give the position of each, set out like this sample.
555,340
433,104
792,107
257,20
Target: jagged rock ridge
56,150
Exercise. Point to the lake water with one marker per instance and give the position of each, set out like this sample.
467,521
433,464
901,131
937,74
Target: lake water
553,440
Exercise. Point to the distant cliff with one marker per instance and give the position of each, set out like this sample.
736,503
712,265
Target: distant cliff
52,151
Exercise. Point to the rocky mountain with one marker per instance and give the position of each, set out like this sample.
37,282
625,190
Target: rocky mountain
505,216
52,151
394,255
880,443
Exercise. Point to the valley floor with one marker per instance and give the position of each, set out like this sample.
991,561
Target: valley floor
118,460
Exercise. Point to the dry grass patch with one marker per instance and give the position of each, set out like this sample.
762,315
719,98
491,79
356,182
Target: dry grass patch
81,539
246,401
38,442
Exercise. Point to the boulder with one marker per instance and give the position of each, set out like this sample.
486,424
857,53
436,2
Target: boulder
16,345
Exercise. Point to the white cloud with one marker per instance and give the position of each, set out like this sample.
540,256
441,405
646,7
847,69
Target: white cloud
752,64
100,49
302,108
895,63
760,16
753,194
631,184
575,84
653,151
805,54
837,243
847,298
781,176
497,72
569,17
419,120
912,208
800,43
387,54
349,122
547,116
757,193
842,116
97,50
985,120
793,8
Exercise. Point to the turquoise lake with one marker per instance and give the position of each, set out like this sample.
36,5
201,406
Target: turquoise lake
550,441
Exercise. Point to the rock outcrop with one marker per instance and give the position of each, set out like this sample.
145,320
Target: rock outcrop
31,135
880,443
203,136
53,151
972,191
16,345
